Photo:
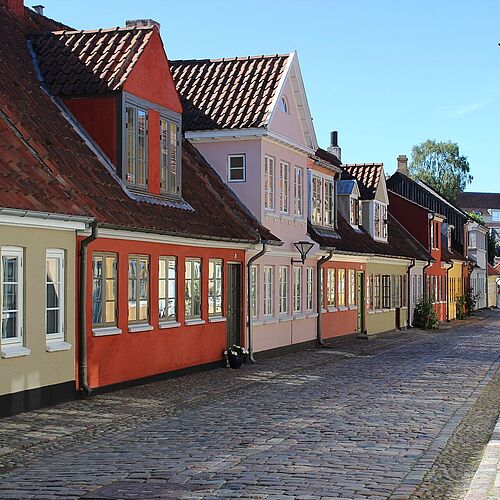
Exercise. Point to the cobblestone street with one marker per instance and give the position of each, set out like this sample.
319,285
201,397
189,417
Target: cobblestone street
404,415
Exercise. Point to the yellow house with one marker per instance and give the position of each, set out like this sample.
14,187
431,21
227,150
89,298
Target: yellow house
493,286
457,274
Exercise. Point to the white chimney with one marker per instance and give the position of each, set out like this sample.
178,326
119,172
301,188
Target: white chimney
39,9
403,165
334,148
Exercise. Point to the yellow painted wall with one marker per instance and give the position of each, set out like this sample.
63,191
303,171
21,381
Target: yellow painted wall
492,290
455,288
385,319
40,368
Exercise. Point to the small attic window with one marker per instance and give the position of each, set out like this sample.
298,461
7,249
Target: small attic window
284,105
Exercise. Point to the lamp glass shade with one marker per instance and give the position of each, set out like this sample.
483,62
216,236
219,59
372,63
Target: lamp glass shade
303,248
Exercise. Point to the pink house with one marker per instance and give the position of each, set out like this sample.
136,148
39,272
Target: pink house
250,119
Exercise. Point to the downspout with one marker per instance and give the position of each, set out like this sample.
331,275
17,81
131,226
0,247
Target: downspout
82,320
249,312
319,266
424,284
448,291
408,272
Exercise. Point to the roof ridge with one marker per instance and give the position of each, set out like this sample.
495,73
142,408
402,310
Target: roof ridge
228,59
99,30
377,164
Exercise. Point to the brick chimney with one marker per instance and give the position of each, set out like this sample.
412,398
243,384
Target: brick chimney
403,164
334,148
16,7
140,23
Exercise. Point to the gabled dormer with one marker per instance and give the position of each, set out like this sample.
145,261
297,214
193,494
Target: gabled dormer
117,84
374,197
349,202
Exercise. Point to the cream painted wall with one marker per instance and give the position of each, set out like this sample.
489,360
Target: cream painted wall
385,320
40,368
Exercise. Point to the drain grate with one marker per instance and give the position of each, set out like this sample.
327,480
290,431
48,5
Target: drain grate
125,490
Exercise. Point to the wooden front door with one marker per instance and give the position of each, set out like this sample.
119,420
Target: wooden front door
234,306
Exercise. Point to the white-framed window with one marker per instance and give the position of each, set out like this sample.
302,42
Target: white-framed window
215,280
283,284
236,168
169,156
330,287
472,240
377,293
253,290
136,124
386,291
167,288
309,288
495,215
54,295
328,216
104,270
268,290
316,201
12,296
380,221
352,287
355,212
284,186
298,190
297,289
284,104
138,289
369,292
269,182
341,287
192,294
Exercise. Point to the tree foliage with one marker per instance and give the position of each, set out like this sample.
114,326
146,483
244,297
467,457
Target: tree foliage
441,166
492,248
476,218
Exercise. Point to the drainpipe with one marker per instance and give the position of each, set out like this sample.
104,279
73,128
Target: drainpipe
82,347
319,266
408,284
424,284
448,292
249,313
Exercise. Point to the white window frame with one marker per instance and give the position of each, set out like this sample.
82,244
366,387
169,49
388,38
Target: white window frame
298,192
213,281
189,283
297,289
329,203
341,280
254,283
268,290
284,187
18,253
472,240
284,105
138,258
381,233
269,176
104,298
351,276
316,200
167,259
331,280
135,136
243,156
58,254
309,288
283,288
169,156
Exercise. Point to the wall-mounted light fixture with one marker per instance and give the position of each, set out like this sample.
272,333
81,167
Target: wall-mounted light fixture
303,247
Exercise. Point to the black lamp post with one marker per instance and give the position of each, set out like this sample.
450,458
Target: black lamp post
303,247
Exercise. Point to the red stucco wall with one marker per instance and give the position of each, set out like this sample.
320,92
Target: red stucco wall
98,117
127,356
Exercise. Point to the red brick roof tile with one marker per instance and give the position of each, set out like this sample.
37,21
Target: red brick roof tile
368,174
228,93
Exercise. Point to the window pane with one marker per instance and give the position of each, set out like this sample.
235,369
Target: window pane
53,321
173,158
131,156
9,269
110,312
9,325
52,295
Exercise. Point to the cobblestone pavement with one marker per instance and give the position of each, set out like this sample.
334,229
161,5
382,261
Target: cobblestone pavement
362,419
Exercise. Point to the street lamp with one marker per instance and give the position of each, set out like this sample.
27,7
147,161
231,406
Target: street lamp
303,247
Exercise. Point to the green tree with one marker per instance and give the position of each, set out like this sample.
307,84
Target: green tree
492,248
441,166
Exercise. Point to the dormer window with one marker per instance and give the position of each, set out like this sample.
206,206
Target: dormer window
136,132
472,240
284,105
355,213
169,156
316,200
322,201
380,221
328,216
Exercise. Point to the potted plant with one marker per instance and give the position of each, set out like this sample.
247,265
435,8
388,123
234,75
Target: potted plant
236,355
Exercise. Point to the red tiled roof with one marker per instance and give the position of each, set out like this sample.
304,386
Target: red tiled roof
46,166
368,174
493,271
348,239
228,93
89,62
469,200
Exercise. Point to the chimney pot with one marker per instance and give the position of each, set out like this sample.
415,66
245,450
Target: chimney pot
16,7
403,164
39,9
334,148
140,23
334,141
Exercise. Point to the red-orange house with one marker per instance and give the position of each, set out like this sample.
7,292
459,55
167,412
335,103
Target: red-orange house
163,268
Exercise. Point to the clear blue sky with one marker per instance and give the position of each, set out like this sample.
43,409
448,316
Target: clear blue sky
386,74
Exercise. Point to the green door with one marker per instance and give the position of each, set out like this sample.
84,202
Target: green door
234,309
361,302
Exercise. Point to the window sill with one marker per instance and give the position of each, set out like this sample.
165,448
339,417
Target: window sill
57,345
312,315
323,310
14,351
217,319
193,322
270,321
299,316
353,307
168,324
343,308
284,319
332,309
257,322
145,327
106,330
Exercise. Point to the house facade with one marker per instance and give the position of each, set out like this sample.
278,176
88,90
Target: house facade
477,242
258,138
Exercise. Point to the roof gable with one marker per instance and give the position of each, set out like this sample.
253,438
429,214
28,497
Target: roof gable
369,176
77,63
